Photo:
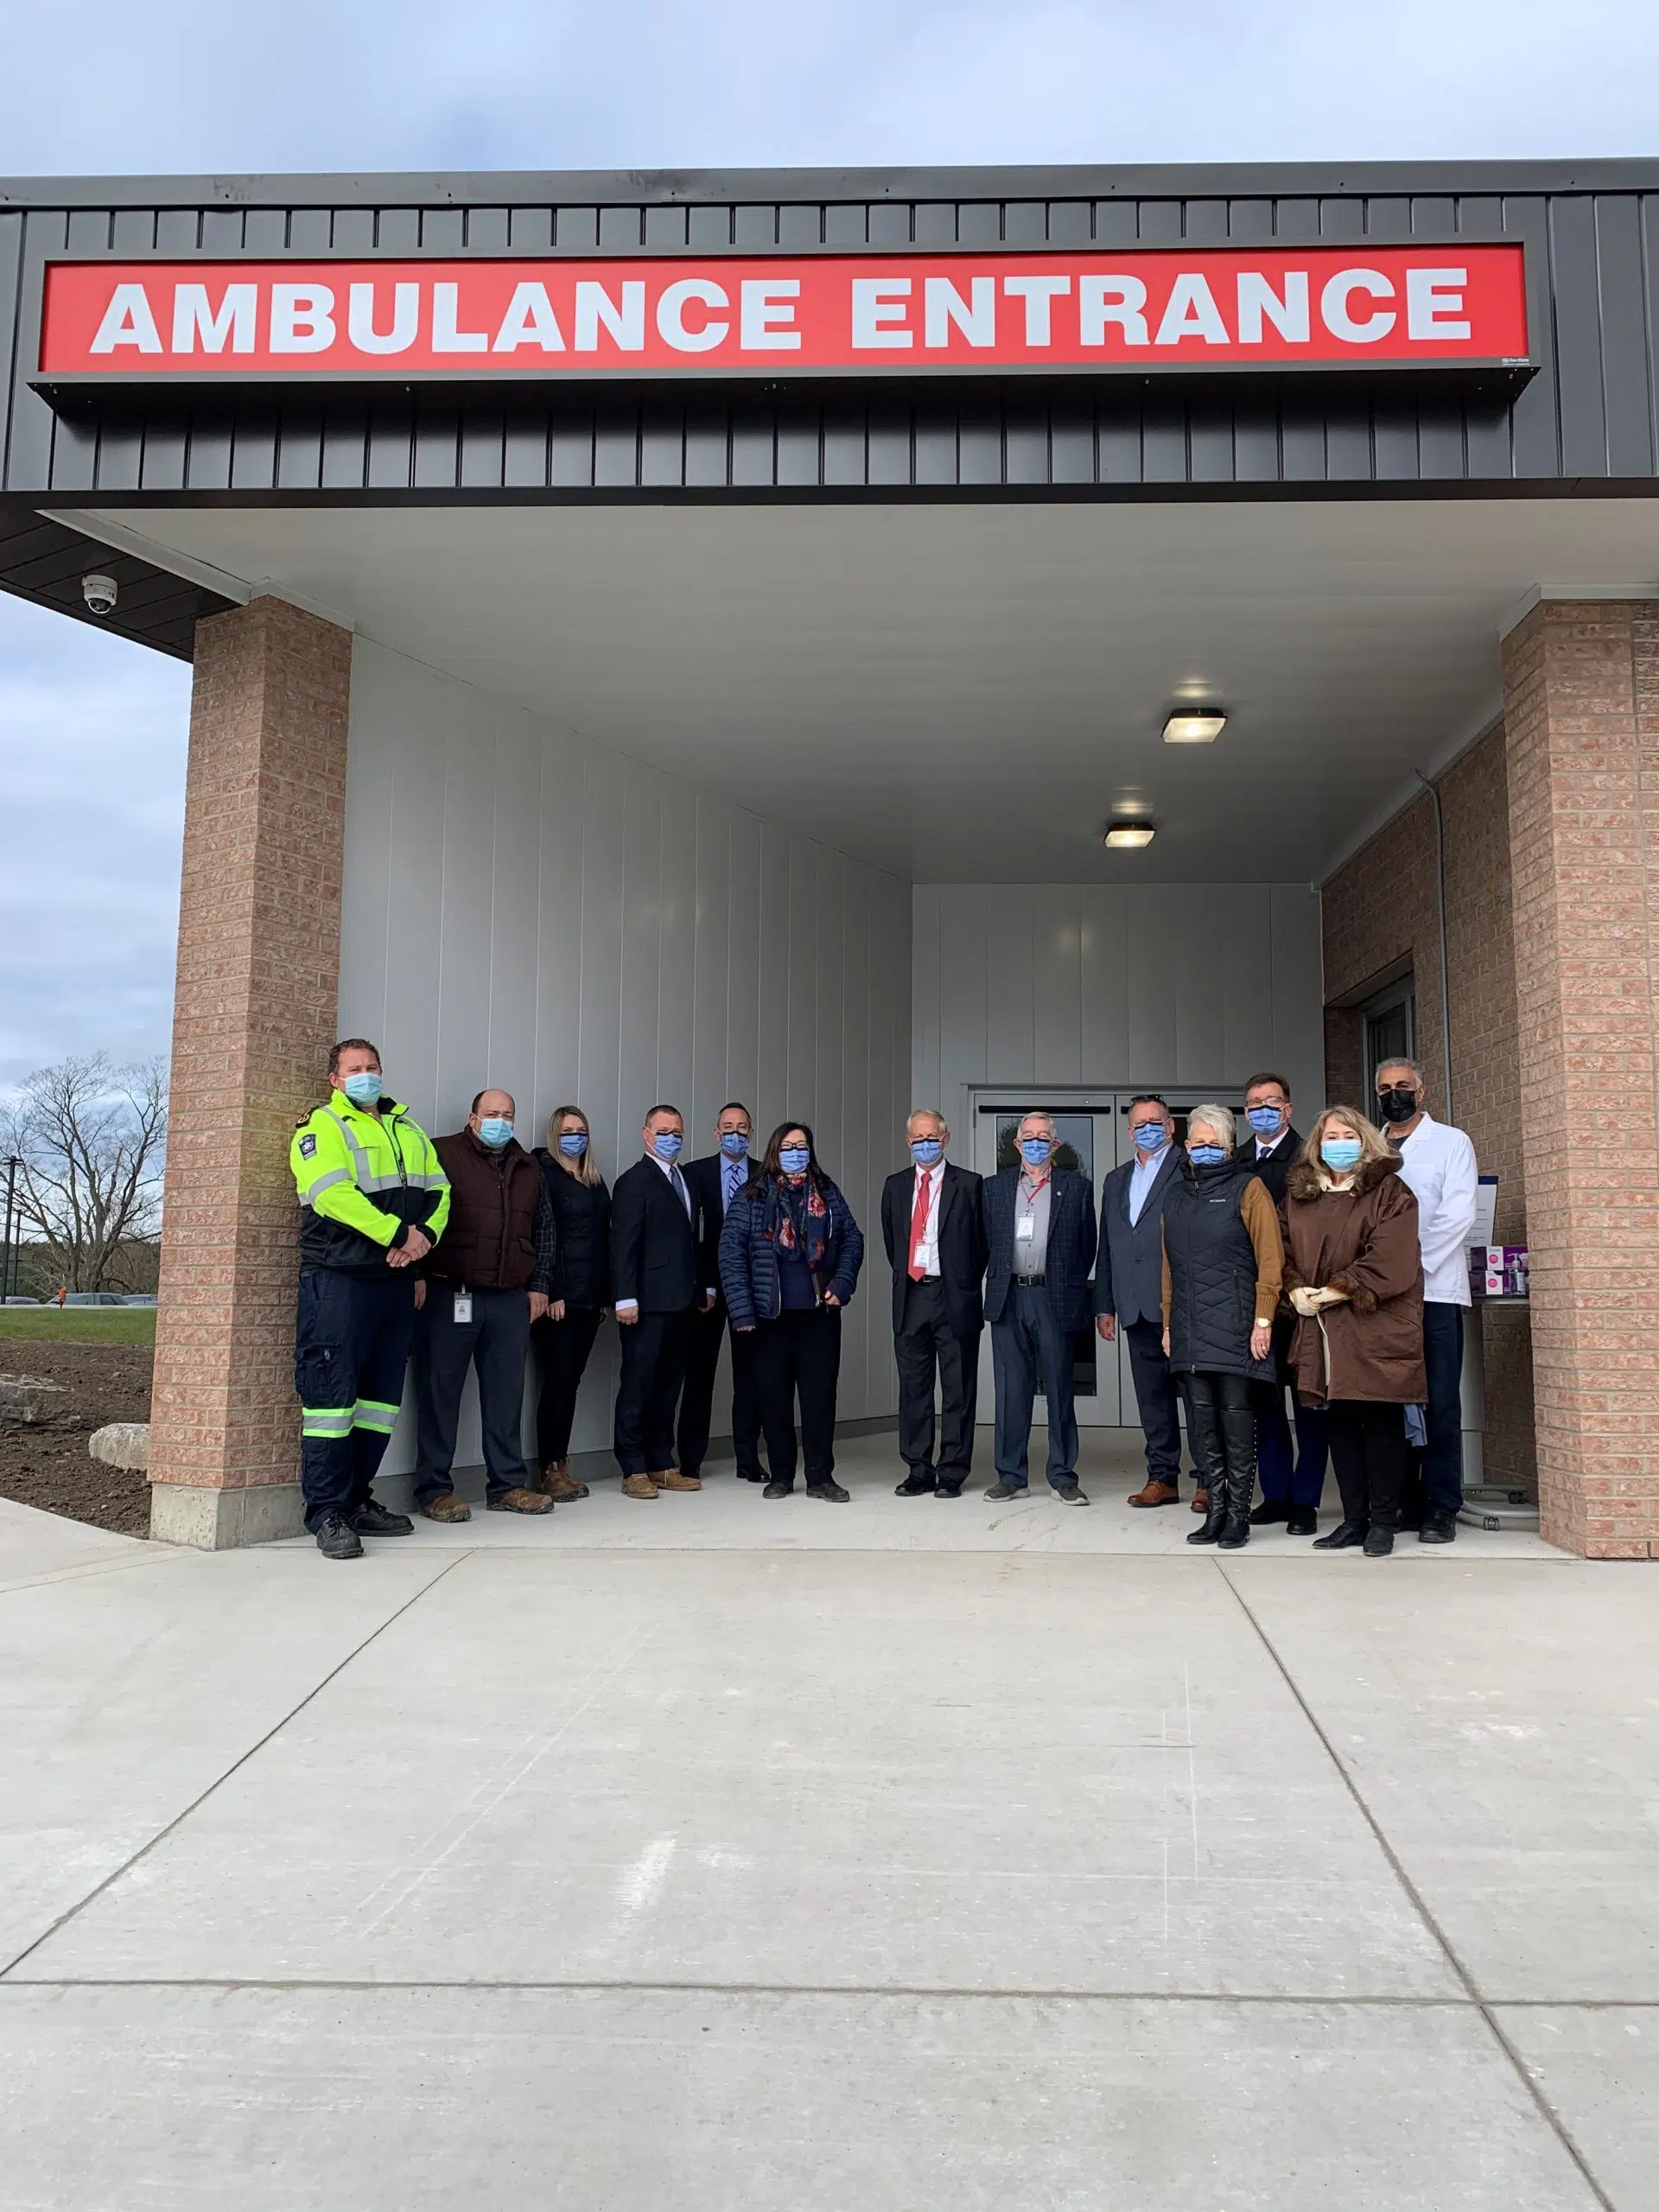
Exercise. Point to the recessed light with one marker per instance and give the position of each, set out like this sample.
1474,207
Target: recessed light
1194,727
1129,836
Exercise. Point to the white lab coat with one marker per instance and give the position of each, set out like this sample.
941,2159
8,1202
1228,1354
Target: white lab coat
1437,1162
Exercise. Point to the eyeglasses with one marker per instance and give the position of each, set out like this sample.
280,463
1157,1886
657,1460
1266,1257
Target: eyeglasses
1255,1105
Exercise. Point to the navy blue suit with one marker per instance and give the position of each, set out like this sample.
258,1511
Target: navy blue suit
1033,1326
1130,1285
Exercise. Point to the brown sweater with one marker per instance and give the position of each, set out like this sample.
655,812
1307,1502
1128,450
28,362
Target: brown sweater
1260,1217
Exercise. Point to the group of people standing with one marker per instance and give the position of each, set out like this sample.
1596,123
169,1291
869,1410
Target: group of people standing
472,1249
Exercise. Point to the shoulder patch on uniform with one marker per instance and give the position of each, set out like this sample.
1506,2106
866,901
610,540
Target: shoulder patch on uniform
308,1147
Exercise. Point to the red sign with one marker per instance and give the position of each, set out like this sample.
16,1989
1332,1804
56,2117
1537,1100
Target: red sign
1146,309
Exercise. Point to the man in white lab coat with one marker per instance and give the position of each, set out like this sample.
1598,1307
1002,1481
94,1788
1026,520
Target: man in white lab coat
1437,1162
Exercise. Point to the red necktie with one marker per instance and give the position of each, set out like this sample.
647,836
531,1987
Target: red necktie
918,1228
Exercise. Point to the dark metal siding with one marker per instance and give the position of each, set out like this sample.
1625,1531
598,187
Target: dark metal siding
1589,416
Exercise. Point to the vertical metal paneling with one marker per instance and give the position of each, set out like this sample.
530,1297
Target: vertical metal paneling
1627,374
1578,336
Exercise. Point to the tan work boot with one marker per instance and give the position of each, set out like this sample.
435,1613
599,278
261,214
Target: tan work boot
1155,1493
557,1484
671,1479
447,1508
519,1500
638,1486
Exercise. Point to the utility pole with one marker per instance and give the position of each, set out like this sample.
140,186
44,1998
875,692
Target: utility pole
8,1266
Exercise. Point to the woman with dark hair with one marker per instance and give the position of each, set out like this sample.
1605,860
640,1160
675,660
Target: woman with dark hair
790,1252
581,1295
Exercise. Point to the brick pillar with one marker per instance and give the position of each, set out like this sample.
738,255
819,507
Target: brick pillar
254,1006
1581,713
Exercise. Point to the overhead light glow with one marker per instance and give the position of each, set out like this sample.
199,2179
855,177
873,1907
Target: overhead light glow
1194,727
1129,836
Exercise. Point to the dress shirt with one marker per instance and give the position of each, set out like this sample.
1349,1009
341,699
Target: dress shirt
1142,1176
1267,1151
1438,1163
670,1168
733,1174
1030,1253
929,1254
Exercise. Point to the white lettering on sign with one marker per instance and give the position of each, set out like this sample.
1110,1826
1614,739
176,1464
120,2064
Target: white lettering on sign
1120,301
235,319
302,317
447,338
1039,294
767,313
879,303
626,322
1334,306
1259,304
127,321
1192,313
671,326
529,321
944,310
405,319
1434,303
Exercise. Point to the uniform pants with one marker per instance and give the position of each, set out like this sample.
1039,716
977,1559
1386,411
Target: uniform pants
494,1341
798,1355
1156,1401
1368,1449
653,1368
351,1348
1443,1415
704,1340
1303,1482
562,1347
925,1346
1028,1341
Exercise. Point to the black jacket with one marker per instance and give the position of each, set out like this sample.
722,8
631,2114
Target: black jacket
962,1244
1070,1244
1276,1170
581,1268
702,1180
1129,1268
1212,1271
653,1245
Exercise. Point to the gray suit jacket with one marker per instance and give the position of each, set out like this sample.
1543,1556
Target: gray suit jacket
1129,1267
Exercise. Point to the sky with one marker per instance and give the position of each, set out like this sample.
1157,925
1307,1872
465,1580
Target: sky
93,731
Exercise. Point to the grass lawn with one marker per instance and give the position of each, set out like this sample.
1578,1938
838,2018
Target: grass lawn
78,1324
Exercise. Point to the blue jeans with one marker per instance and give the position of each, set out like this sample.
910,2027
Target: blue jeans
1028,1338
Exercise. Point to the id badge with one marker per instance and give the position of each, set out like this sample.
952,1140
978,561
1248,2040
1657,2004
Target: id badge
1026,1229
463,1305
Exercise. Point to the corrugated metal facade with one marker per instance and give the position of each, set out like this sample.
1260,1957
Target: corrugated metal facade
1591,414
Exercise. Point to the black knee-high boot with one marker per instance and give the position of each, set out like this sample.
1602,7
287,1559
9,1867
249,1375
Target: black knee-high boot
1238,1443
1203,1435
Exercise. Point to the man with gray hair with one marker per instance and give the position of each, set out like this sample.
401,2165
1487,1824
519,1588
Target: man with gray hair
1039,1235
935,1239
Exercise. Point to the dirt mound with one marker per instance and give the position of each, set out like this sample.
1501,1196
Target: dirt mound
48,1466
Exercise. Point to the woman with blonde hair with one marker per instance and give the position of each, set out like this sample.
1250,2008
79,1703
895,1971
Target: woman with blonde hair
1353,1272
581,1295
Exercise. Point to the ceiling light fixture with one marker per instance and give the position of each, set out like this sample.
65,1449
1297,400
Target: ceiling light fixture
1129,836
1193,726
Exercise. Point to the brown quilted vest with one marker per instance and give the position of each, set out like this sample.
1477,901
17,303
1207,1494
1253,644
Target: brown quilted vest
489,1242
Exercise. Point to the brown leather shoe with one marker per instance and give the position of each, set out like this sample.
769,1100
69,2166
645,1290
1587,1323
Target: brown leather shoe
1156,1494
520,1500
447,1508
671,1479
638,1486
1200,1501
557,1483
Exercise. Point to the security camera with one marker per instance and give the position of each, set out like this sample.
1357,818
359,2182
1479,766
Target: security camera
100,594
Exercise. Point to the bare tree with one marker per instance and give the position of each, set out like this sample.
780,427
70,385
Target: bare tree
90,1137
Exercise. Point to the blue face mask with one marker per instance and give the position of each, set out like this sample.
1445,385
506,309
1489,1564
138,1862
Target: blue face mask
927,1152
1035,1151
794,1159
573,1144
1206,1155
667,1144
1340,1153
1149,1136
735,1145
495,1131
362,1090
1264,1119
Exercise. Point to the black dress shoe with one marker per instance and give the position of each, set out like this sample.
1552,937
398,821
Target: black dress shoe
373,1520
1438,1528
750,1474
1269,1510
778,1490
831,1491
1379,1543
915,1485
337,1539
949,1489
1302,1521
1344,1537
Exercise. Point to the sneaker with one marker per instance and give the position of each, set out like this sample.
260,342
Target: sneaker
373,1520
1438,1528
915,1485
337,1539
832,1492
519,1500
778,1490
1069,1494
638,1486
675,1479
445,1507
1000,1489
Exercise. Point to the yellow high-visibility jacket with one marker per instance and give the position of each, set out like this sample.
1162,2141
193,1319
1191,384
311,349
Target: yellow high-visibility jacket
363,1183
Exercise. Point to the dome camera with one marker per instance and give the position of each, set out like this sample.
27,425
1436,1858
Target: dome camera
99,593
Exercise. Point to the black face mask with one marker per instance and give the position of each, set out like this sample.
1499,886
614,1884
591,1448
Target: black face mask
1398,1104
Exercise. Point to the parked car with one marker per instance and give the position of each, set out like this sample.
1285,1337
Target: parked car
94,1298
21,1300
139,1298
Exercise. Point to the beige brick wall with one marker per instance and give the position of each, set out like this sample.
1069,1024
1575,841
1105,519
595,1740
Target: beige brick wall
254,1014
1581,689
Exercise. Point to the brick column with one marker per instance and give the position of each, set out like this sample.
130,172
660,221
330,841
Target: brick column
254,1007
1581,713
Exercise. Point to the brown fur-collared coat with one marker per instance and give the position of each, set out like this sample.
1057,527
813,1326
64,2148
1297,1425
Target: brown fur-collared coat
1362,1241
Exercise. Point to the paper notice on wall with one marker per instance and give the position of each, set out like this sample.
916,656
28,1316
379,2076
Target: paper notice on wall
1485,1210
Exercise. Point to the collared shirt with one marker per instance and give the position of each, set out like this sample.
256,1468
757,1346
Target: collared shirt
929,1252
1031,1204
1265,1150
1438,1163
1142,1176
733,1174
676,1181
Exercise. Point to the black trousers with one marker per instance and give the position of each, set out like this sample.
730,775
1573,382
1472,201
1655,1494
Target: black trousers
923,1348
1443,1415
1156,1400
351,1347
703,1340
653,1368
1222,1423
1368,1450
562,1349
799,1356
495,1342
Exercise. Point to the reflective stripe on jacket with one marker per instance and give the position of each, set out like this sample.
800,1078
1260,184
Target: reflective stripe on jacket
362,1182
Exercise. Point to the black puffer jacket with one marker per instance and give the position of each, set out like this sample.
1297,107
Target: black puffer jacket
582,1270
1212,1271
